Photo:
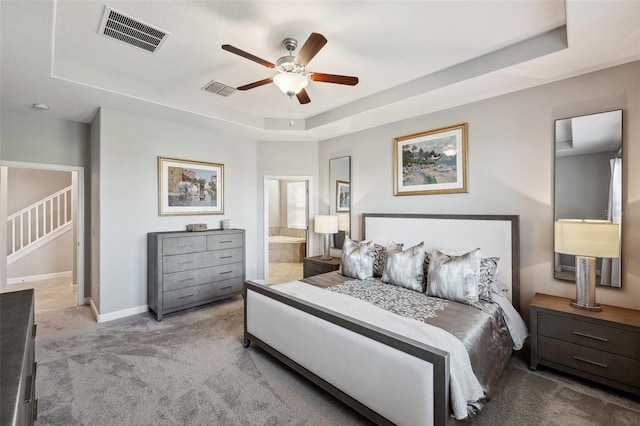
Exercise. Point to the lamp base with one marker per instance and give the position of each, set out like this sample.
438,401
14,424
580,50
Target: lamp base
595,308
325,248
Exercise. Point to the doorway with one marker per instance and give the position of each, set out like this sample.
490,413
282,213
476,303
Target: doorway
286,227
59,283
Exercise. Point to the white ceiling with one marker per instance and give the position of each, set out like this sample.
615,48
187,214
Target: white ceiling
412,58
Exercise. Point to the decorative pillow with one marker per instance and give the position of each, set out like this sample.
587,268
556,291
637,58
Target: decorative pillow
380,258
357,259
404,268
454,277
488,269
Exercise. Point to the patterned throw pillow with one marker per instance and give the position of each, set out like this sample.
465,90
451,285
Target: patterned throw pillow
488,270
404,268
357,259
454,277
379,259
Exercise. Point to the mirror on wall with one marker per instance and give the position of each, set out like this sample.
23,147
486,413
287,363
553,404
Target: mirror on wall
340,196
588,182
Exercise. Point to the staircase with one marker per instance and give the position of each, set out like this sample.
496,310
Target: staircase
37,224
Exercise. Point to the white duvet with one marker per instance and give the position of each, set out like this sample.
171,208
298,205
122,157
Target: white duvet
464,386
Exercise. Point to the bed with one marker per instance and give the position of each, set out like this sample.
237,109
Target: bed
393,370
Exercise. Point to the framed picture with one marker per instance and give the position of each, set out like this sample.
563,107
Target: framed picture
190,187
343,196
433,162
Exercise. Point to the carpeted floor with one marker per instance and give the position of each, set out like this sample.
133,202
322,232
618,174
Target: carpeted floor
191,369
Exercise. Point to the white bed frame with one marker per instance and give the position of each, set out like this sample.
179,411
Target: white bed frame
386,377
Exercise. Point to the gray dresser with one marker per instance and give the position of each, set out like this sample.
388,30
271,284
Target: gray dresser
187,269
18,405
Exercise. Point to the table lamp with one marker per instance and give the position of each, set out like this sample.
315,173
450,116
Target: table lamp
587,239
326,224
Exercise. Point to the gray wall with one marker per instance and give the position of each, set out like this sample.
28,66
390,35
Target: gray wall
126,198
35,138
510,169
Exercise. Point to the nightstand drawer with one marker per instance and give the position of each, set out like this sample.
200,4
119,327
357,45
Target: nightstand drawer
599,363
605,338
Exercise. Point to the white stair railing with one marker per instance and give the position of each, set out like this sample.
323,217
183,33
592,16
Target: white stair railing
38,221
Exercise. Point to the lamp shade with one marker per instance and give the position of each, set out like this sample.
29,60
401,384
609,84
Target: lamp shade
343,223
326,224
290,83
593,238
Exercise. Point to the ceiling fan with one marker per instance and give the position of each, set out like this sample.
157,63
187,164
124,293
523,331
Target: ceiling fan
292,77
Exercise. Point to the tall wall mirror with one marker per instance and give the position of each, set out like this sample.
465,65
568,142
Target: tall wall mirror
340,196
588,182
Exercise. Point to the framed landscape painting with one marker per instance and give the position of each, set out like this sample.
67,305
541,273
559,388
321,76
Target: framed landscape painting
432,162
190,187
343,196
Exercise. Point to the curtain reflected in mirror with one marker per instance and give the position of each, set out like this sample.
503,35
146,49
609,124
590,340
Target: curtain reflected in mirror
588,182
340,196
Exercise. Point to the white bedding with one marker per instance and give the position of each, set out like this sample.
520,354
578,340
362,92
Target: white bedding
464,386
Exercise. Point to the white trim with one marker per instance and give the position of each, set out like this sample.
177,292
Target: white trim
79,224
119,314
265,215
38,243
32,278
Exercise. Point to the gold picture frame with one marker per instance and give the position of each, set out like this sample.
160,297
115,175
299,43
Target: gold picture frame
431,162
188,187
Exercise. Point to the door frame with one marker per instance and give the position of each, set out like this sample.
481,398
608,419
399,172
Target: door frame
78,214
265,215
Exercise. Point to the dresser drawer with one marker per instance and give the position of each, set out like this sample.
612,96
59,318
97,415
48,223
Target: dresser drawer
185,262
201,276
199,293
614,367
224,241
181,245
184,296
605,338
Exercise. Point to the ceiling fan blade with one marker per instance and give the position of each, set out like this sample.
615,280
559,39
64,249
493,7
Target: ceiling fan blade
311,47
333,78
303,97
247,55
255,84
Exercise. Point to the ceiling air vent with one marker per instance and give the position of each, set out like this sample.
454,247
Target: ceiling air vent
219,88
131,31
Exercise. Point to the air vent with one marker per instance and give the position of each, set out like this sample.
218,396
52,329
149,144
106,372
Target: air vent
219,88
131,31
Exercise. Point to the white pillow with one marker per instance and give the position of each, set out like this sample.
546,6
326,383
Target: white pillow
404,268
357,259
454,277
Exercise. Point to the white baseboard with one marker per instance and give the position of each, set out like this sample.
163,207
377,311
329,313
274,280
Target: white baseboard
118,314
31,278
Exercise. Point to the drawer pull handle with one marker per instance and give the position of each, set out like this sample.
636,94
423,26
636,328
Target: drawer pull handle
602,339
577,358
226,257
184,245
185,263
226,242
35,330
186,279
226,272
225,288
186,297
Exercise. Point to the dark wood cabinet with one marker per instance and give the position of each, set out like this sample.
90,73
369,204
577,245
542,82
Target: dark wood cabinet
187,269
600,346
316,265
18,404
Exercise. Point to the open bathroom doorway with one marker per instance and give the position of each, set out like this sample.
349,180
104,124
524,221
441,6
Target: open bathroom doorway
286,227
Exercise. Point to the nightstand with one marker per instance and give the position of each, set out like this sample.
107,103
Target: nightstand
315,265
600,346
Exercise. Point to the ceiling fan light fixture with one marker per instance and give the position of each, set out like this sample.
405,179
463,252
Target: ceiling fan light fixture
291,83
